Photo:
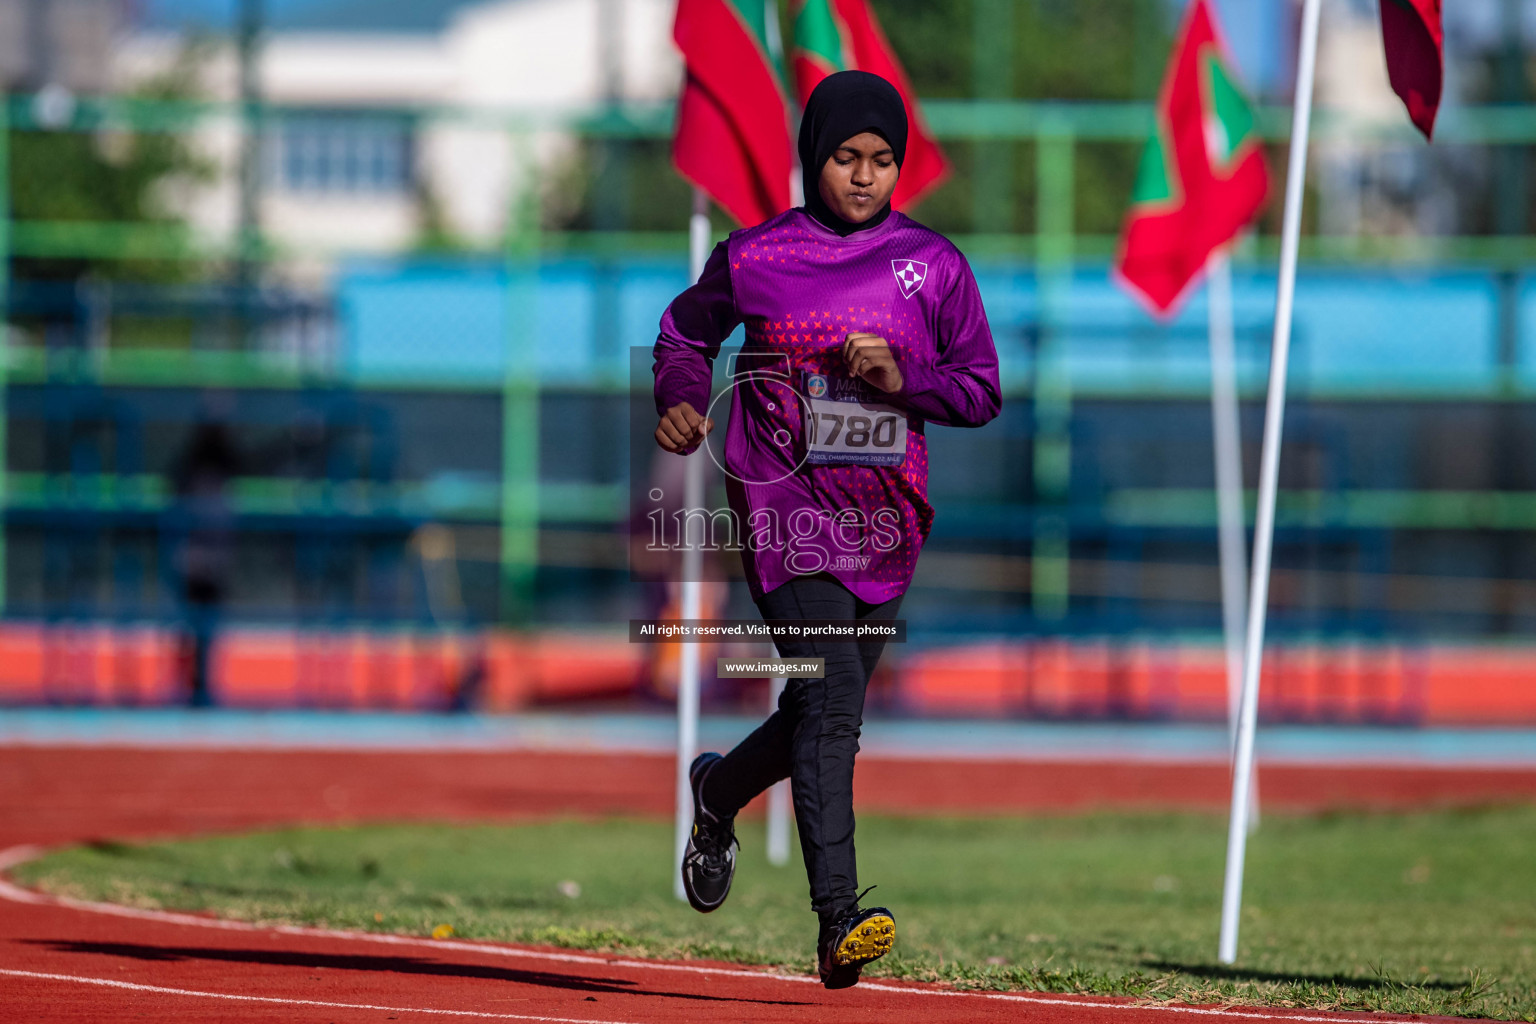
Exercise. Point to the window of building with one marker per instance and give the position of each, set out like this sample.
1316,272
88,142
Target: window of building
342,152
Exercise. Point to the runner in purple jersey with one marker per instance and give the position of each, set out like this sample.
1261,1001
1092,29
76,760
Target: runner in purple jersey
862,327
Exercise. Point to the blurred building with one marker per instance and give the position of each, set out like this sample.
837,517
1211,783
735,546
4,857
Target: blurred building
1363,186
1375,179
63,43
357,160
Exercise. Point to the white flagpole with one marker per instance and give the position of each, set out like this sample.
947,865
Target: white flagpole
778,793
1229,493
692,573
1269,479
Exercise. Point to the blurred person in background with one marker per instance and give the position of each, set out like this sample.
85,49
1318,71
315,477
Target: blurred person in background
201,475
879,328
463,683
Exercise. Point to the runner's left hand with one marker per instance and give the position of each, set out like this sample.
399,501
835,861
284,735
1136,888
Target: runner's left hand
869,356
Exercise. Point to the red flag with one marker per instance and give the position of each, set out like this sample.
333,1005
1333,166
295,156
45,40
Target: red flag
732,136
839,35
1202,177
1415,44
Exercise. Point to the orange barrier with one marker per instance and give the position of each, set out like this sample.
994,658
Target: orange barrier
86,664
1142,680
258,668
505,671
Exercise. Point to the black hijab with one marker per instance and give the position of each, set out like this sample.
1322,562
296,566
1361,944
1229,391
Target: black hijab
845,104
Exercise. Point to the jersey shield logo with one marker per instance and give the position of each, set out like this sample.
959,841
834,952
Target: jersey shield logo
910,275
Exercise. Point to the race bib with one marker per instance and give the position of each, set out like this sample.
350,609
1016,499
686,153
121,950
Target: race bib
844,425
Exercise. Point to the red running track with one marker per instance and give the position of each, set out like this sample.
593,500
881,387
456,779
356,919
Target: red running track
63,960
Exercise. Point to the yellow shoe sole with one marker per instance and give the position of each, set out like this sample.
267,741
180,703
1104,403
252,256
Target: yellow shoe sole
871,940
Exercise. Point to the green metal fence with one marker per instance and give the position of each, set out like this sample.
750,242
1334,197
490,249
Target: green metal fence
1053,134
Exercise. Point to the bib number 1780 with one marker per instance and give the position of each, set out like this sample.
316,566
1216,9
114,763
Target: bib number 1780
854,433
857,431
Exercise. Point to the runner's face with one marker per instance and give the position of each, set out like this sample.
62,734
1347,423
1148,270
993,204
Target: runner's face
859,177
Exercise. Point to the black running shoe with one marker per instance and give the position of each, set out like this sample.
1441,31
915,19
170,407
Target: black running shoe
709,862
851,941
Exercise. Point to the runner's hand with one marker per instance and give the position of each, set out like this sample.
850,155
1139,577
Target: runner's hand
869,356
682,428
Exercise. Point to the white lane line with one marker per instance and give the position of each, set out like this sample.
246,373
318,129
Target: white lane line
167,990
16,855
1086,1003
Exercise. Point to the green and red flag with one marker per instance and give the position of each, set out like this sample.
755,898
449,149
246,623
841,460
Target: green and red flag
842,35
1202,177
1415,45
732,135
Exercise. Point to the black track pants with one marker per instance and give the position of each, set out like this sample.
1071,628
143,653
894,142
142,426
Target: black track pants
812,738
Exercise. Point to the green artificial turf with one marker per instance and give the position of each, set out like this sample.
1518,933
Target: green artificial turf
1429,912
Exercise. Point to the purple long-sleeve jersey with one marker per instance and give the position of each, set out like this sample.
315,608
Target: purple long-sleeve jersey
825,472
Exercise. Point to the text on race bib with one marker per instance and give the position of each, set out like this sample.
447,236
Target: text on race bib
843,425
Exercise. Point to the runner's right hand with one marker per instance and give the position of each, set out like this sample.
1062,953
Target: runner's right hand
682,428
